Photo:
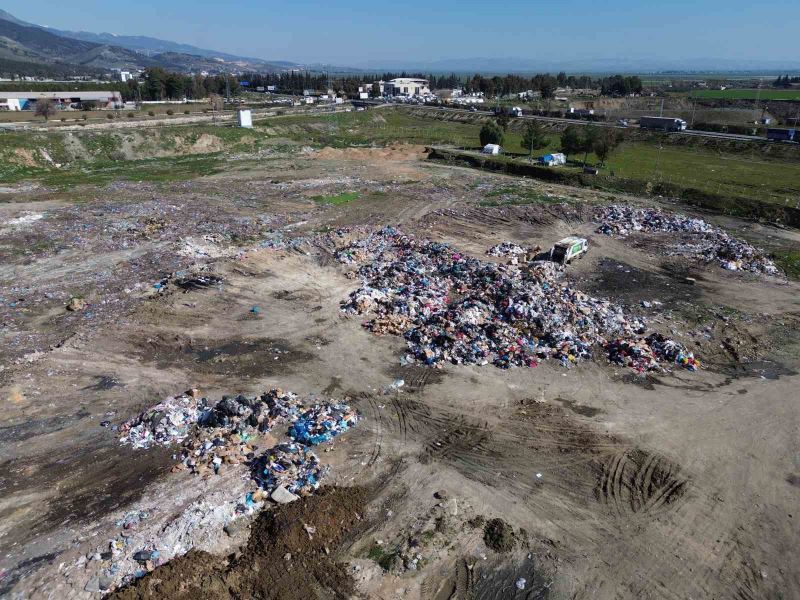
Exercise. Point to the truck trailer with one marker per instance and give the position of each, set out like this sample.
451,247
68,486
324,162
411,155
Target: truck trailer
662,123
782,135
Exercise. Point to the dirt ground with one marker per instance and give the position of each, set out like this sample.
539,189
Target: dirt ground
615,485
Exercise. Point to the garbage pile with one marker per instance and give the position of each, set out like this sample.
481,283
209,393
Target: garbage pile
506,249
645,355
290,467
166,423
714,245
321,423
452,308
222,433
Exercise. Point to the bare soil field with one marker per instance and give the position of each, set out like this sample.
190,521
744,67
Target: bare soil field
609,483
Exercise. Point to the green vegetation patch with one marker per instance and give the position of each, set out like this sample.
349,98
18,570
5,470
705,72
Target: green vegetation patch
154,170
789,261
338,199
747,94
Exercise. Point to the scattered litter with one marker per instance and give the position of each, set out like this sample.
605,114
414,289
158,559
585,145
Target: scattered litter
520,583
714,245
23,220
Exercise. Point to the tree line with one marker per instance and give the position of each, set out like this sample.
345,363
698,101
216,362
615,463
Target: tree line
546,84
785,81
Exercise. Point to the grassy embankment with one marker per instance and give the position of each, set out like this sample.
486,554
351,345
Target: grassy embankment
734,175
739,94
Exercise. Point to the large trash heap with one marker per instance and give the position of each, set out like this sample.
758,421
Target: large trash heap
222,433
458,309
712,245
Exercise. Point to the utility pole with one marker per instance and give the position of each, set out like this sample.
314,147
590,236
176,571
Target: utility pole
694,107
661,113
758,97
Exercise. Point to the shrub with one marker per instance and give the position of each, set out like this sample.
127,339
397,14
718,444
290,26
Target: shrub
131,115
205,110
110,116
170,112
187,112
151,113
491,133
84,117
63,119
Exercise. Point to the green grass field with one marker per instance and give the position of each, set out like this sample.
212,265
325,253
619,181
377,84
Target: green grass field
735,175
736,94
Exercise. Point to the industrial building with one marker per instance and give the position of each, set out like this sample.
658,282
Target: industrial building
407,86
66,99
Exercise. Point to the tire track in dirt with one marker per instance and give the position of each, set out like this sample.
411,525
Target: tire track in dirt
640,483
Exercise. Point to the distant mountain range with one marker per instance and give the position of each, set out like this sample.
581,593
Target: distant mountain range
598,65
30,47
27,48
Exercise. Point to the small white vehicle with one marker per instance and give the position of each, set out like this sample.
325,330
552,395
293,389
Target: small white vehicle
492,149
568,249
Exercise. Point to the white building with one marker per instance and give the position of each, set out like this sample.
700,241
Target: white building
407,86
10,104
65,99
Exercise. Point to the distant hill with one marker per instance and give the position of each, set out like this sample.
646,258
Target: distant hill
25,43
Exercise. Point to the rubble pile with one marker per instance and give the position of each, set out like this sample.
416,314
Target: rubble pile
713,245
452,308
506,249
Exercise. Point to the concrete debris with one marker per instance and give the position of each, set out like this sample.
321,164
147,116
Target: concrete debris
453,308
713,244
283,496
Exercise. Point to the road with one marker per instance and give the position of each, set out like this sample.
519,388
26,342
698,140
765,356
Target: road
688,132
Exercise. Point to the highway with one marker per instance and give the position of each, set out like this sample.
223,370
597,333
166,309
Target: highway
688,132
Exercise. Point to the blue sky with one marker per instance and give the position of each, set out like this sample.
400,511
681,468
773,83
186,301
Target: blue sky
354,32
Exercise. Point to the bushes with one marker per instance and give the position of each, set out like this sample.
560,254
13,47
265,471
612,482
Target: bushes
110,116
131,115
187,112
491,133
170,112
151,113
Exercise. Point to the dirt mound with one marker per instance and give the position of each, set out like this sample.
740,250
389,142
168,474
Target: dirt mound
290,555
24,157
499,535
206,143
397,152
